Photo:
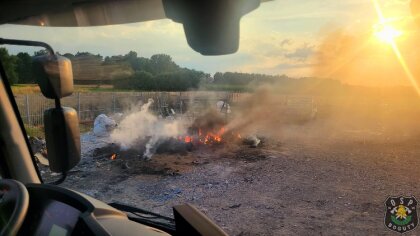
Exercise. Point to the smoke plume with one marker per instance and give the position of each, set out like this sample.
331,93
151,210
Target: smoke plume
361,58
142,124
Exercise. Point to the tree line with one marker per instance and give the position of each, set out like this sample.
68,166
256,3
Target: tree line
159,72
18,67
133,72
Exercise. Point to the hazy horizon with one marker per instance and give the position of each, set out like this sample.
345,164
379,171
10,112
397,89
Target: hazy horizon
295,38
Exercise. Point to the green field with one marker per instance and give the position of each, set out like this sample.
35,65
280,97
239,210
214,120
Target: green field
38,131
226,87
34,88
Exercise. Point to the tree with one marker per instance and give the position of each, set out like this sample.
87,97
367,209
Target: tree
218,77
131,59
136,63
41,52
24,68
142,64
140,80
9,64
68,56
162,63
144,80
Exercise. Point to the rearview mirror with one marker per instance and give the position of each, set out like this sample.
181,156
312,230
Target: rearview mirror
54,75
211,26
63,138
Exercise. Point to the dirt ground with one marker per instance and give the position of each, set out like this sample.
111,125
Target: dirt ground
296,186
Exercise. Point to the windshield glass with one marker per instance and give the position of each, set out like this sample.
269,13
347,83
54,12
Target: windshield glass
307,129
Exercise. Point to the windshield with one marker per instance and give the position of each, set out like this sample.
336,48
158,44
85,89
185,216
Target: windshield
307,129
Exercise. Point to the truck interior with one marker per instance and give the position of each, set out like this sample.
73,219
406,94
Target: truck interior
210,117
29,206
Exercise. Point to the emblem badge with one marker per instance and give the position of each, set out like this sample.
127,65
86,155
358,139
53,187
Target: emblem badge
401,214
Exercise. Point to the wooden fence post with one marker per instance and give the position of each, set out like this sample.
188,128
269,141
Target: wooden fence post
113,103
78,106
28,118
180,103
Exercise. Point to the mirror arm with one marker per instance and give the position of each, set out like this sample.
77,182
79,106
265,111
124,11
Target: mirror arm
57,102
27,43
61,124
35,44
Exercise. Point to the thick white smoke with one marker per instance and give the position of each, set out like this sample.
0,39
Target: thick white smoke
143,123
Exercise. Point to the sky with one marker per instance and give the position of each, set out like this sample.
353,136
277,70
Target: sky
280,37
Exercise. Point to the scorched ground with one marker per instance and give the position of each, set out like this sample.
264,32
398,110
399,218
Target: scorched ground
304,184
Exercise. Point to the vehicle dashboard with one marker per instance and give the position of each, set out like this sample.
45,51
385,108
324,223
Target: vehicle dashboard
58,211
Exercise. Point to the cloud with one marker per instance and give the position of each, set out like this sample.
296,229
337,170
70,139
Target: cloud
301,53
276,54
279,37
285,42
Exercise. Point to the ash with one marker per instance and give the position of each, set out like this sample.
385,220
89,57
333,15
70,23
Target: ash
295,185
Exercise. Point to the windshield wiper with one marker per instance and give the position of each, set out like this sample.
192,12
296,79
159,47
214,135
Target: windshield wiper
148,218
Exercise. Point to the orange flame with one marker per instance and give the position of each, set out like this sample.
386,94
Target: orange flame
206,138
211,137
114,156
188,139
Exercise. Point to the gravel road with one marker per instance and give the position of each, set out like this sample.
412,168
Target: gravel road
294,186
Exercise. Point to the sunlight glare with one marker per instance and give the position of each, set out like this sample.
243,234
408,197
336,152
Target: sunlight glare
397,51
386,33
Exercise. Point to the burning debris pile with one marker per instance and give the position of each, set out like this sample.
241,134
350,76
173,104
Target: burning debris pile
142,126
208,128
144,133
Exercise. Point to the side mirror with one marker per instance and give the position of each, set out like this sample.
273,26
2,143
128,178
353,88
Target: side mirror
211,26
54,75
55,78
62,136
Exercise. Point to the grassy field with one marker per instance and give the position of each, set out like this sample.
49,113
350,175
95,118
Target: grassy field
226,87
38,131
34,88
25,89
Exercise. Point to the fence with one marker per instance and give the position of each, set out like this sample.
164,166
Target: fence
90,105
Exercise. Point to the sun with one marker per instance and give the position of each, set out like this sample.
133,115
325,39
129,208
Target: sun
386,33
